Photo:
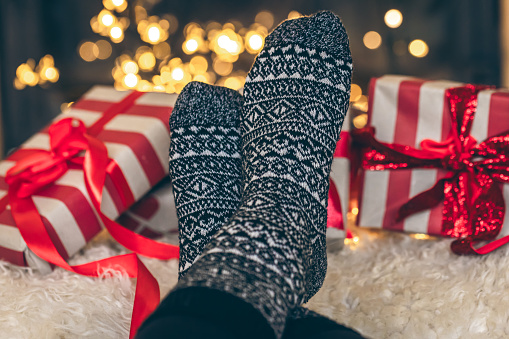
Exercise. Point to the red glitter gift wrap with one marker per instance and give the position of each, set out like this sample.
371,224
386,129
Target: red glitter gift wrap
435,158
134,128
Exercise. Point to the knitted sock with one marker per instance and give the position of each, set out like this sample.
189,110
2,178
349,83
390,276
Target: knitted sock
271,254
205,164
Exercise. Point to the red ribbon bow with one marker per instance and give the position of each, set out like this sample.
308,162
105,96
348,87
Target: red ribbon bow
68,140
474,206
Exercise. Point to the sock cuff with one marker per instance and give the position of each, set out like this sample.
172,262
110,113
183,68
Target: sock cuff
323,31
203,104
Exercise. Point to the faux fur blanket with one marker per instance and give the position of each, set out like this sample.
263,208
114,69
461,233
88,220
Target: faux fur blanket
385,286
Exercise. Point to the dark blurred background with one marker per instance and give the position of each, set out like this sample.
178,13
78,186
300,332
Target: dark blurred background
61,51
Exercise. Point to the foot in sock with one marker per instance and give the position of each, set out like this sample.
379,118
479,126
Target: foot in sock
205,164
271,254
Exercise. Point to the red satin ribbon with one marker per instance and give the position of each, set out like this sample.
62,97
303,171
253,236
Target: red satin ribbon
474,207
69,139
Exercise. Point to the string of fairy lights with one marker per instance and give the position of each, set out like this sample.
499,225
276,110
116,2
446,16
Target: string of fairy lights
209,53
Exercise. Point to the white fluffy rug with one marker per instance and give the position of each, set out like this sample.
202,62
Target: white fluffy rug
386,286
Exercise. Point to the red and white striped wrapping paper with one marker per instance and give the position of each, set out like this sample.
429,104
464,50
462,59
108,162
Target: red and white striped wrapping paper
136,138
154,215
405,111
340,176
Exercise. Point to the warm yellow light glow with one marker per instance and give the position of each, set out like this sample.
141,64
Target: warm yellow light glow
118,3
198,65
116,33
104,49
361,104
162,50
22,69
107,20
51,74
177,74
154,34
233,83
223,41
30,78
130,80
191,45
222,68
393,18
420,236
372,40
129,67
294,15
265,18
88,51
201,78
355,211
144,86
18,84
359,122
418,48
355,92
352,241
256,41
147,61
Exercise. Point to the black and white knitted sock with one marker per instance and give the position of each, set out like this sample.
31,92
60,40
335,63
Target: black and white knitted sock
271,254
205,164
206,169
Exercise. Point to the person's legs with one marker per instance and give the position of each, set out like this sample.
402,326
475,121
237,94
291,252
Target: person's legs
271,254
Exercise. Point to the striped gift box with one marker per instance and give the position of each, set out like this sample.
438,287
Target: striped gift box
339,189
136,136
405,111
154,215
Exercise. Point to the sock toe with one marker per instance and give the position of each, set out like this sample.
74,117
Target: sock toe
323,31
203,104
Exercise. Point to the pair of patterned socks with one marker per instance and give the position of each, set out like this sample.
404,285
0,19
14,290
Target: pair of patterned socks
251,178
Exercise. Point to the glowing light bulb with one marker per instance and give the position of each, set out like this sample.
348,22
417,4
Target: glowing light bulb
177,74
51,74
393,18
191,45
130,67
130,80
118,3
107,20
418,48
147,61
154,34
255,42
223,41
116,32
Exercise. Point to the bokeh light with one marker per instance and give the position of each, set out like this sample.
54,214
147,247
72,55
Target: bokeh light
418,48
265,18
372,40
355,92
177,74
130,80
393,18
294,15
103,49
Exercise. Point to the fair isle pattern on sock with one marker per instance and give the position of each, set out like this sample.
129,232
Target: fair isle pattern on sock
192,221
272,252
205,164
